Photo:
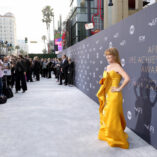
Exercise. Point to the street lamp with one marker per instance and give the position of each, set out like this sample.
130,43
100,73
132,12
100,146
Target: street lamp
110,3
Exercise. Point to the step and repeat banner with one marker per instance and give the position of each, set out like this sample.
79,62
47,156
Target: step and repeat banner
136,40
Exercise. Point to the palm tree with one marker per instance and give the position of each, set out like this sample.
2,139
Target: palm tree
22,52
44,39
47,18
17,47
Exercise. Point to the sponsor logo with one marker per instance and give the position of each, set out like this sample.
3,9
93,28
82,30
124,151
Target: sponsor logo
93,75
123,62
142,38
101,62
150,128
97,55
153,22
97,69
94,49
90,85
138,109
100,48
116,35
132,29
129,115
110,45
123,43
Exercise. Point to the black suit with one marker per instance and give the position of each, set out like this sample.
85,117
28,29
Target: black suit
70,73
37,70
28,69
64,72
20,77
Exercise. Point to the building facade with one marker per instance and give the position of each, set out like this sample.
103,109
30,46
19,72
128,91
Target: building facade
8,28
78,17
23,46
102,16
121,9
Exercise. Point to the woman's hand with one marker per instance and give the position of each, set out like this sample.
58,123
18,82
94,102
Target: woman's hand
115,89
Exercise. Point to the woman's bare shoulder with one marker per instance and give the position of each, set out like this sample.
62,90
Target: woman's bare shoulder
108,67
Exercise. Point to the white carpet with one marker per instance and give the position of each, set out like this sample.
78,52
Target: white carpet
58,121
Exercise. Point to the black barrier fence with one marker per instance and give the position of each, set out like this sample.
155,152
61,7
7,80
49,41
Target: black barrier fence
32,55
136,40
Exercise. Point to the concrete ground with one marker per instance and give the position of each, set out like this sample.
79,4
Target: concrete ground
58,121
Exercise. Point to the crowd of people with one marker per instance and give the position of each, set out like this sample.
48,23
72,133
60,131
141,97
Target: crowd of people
16,71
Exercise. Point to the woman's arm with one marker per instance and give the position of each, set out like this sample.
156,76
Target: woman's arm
124,75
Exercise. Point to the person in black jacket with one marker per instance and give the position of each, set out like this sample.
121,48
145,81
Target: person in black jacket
57,68
70,71
13,75
20,74
64,70
28,68
36,68
49,67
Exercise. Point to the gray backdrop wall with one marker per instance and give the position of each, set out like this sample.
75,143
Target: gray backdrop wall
136,40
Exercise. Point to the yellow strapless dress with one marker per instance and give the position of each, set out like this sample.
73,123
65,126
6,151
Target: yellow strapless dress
112,121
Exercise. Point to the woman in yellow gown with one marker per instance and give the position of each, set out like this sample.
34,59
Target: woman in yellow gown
112,121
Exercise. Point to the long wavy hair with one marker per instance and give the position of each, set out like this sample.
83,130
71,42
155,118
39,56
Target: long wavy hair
114,52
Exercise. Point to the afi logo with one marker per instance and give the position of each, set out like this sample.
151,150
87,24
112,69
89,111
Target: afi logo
100,48
123,43
116,35
110,45
138,109
142,38
123,62
150,128
129,115
97,55
153,23
132,29
101,62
